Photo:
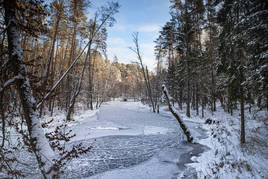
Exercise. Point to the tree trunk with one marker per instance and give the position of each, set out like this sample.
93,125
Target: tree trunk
38,142
3,120
150,90
242,109
175,114
180,104
188,99
193,97
2,107
242,106
137,51
188,114
51,54
90,82
203,107
267,102
71,57
77,88
197,100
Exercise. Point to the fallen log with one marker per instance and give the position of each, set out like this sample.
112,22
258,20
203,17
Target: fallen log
176,115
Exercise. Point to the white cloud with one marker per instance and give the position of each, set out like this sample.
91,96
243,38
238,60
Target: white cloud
139,28
149,28
120,27
116,41
147,50
150,63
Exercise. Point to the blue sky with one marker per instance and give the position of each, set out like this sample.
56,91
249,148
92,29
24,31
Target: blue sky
143,16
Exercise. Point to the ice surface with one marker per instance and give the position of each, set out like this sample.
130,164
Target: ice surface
129,141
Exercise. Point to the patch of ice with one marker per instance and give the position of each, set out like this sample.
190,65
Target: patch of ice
152,168
105,128
153,130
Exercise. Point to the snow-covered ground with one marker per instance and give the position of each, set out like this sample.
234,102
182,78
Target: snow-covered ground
227,158
129,141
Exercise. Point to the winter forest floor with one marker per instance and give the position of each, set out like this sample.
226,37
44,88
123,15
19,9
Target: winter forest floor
129,141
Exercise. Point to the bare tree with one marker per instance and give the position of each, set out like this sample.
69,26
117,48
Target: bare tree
136,50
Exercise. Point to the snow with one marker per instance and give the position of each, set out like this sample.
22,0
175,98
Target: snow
227,158
151,130
105,128
128,138
129,141
43,152
9,82
120,118
153,167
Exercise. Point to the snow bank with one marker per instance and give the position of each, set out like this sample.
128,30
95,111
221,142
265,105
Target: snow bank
226,157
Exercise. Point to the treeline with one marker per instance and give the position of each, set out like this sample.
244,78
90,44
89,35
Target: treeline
215,50
53,39
53,56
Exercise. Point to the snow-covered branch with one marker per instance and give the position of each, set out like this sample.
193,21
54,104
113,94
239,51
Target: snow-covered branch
176,115
9,82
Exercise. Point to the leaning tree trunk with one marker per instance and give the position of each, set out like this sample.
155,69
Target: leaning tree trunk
77,89
175,114
90,81
38,142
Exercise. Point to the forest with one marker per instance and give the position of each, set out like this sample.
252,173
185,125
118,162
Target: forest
65,104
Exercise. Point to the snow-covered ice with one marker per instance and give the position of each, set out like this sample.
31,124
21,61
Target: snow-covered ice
129,141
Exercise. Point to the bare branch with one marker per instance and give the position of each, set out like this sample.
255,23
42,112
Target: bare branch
9,82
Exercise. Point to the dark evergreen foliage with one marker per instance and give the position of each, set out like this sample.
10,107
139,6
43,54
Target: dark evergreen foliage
217,51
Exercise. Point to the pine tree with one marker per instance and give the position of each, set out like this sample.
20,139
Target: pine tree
237,41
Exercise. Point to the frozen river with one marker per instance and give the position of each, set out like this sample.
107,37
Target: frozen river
129,141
